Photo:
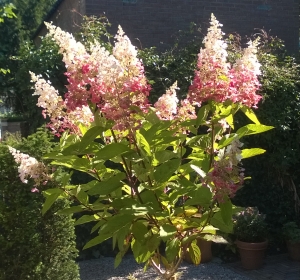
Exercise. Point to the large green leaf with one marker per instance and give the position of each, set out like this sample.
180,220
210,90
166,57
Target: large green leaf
195,252
218,222
153,242
201,196
108,186
250,114
202,115
90,136
140,252
116,222
74,162
252,129
86,219
226,211
139,231
167,231
143,143
164,171
97,240
172,249
71,210
163,156
110,151
246,153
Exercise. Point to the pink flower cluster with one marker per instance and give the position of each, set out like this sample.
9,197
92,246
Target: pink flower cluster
61,118
217,80
227,176
115,82
29,167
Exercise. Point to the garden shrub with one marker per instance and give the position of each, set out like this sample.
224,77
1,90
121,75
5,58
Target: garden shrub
32,246
275,183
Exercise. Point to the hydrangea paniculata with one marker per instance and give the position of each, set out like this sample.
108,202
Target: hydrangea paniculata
216,80
55,108
29,167
115,83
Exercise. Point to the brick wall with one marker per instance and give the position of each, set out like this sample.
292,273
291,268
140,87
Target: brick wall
67,15
155,21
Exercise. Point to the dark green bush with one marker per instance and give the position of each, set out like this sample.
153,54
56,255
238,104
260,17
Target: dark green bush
275,183
32,246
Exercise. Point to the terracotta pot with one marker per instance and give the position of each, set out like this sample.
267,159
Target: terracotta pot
294,250
205,249
252,254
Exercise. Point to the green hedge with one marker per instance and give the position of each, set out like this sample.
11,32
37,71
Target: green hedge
32,246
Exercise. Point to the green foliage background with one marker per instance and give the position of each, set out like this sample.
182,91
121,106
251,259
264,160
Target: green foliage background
32,246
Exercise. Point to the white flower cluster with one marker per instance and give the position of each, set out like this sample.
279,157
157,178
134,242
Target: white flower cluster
48,97
249,59
69,47
215,47
29,167
234,152
166,105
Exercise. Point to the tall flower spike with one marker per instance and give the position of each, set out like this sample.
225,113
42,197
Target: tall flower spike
69,47
211,81
245,84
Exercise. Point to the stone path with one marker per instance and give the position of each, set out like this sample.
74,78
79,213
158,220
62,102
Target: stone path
277,267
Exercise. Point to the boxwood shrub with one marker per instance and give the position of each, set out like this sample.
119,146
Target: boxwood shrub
32,246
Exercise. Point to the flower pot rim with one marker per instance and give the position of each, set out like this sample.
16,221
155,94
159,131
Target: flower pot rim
252,245
242,242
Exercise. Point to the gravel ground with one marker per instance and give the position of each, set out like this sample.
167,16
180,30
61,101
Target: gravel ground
103,269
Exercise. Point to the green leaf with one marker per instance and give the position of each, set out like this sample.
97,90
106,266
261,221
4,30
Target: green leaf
83,197
250,114
153,242
246,153
195,252
108,186
226,211
86,219
118,259
166,231
50,199
201,196
71,210
226,140
209,229
110,151
218,222
253,129
172,249
90,136
116,222
97,240
81,164
202,115
164,171
163,156
139,230
143,143
141,253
